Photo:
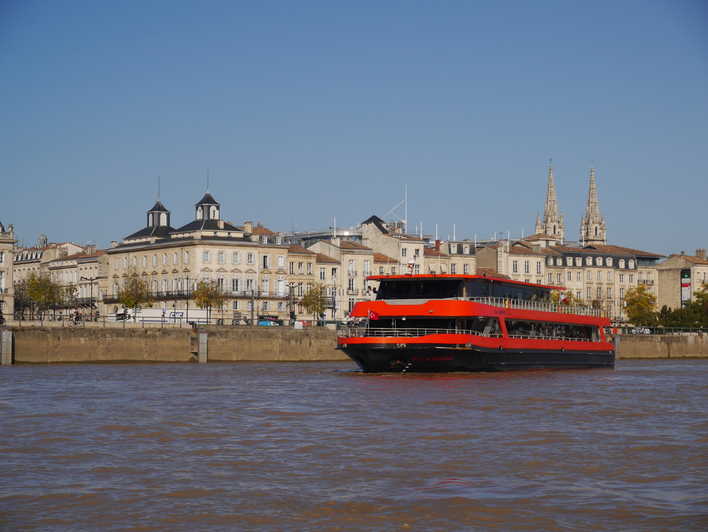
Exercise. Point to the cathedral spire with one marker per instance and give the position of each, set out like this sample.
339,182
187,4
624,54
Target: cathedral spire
593,230
552,223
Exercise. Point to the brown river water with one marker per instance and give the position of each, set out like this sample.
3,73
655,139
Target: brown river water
319,446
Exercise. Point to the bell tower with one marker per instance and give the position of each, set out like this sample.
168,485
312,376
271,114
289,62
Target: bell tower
552,223
593,230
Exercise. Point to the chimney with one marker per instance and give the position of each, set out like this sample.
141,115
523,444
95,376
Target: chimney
248,226
701,253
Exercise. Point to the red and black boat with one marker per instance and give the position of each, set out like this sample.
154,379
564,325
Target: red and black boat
439,323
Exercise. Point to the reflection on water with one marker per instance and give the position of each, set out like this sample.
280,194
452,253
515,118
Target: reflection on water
310,446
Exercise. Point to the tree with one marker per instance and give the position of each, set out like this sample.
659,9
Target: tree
640,306
314,300
693,314
135,293
208,295
43,292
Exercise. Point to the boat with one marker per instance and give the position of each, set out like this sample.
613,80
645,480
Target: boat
451,323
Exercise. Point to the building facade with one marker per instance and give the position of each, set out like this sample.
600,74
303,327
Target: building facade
679,277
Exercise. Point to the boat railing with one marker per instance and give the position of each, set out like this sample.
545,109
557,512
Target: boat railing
359,332
544,306
398,332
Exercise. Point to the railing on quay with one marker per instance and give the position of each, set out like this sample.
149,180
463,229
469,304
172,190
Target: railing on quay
543,306
160,295
661,330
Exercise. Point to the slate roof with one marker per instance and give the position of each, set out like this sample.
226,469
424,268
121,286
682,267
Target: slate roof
608,250
206,225
160,231
207,199
158,207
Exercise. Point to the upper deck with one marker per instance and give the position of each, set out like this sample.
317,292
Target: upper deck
494,291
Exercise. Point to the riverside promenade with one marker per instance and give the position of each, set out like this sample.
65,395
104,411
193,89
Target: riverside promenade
55,342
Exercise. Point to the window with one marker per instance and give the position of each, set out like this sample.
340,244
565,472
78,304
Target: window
549,261
515,266
381,270
589,292
578,294
145,261
334,273
538,267
578,261
249,285
265,285
622,292
609,275
185,257
609,293
205,256
322,273
599,276
570,276
154,260
569,261
578,276
220,257
235,258
309,268
235,305
404,251
550,277
453,248
598,261
234,285
351,283
292,267
250,258
621,263
453,268
164,259
2,257
266,262
299,267
599,292
417,252
608,261
367,266
588,276
559,261
631,278
466,269
558,278
621,276
350,267
527,266
281,261
588,261
631,264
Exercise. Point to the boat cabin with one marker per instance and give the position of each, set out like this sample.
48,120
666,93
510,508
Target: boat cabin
458,287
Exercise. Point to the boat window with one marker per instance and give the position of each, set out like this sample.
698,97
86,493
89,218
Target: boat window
420,289
544,329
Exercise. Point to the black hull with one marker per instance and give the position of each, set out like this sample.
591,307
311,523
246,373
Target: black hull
421,358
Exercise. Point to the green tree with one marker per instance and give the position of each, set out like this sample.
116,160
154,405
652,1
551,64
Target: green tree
640,306
694,314
208,295
314,300
566,298
43,292
134,294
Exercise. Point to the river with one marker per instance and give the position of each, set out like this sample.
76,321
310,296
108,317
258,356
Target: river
311,446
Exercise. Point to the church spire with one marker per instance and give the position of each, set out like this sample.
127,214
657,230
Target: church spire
552,223
593,230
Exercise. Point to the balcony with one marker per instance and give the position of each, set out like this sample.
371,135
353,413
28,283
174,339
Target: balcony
366,332
172,295
646,282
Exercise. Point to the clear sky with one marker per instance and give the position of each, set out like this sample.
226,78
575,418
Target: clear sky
302,111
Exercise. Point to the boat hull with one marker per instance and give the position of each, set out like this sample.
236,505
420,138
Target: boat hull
431,358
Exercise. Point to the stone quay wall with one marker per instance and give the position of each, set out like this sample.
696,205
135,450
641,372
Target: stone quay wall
40,345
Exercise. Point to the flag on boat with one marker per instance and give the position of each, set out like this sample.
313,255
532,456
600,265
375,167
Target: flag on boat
373,315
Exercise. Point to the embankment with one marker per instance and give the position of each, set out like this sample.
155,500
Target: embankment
40,345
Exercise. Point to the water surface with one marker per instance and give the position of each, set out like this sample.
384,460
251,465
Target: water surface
320,446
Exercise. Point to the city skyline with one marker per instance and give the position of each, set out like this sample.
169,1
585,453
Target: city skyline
326,111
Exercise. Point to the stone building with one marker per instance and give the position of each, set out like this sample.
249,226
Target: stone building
7,292
679,277
302,264
80,275
553,223
250,271
356,264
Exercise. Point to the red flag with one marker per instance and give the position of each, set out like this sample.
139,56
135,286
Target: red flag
373,315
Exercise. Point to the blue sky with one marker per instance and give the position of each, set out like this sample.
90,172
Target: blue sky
302,111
